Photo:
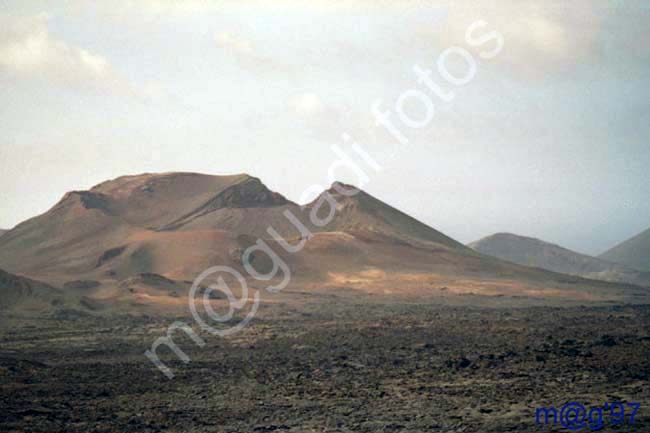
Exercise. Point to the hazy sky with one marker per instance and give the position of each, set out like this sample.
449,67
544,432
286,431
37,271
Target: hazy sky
550,139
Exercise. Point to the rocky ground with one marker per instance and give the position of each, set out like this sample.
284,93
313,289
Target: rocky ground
328,367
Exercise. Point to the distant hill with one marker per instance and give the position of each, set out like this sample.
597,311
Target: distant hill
145,238
534,252
16,290
634,252
3,231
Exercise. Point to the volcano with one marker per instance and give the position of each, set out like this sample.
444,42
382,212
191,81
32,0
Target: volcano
148,236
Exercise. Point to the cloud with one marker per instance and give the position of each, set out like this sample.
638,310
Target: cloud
250,57
543,35
539,39
155,9
184,8
29,51
234,44
147,11
307,103
174,7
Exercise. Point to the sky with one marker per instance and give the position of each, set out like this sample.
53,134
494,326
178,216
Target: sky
549,137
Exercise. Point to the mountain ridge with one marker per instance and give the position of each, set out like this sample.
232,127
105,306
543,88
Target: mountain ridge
176,225
529,251
633,252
